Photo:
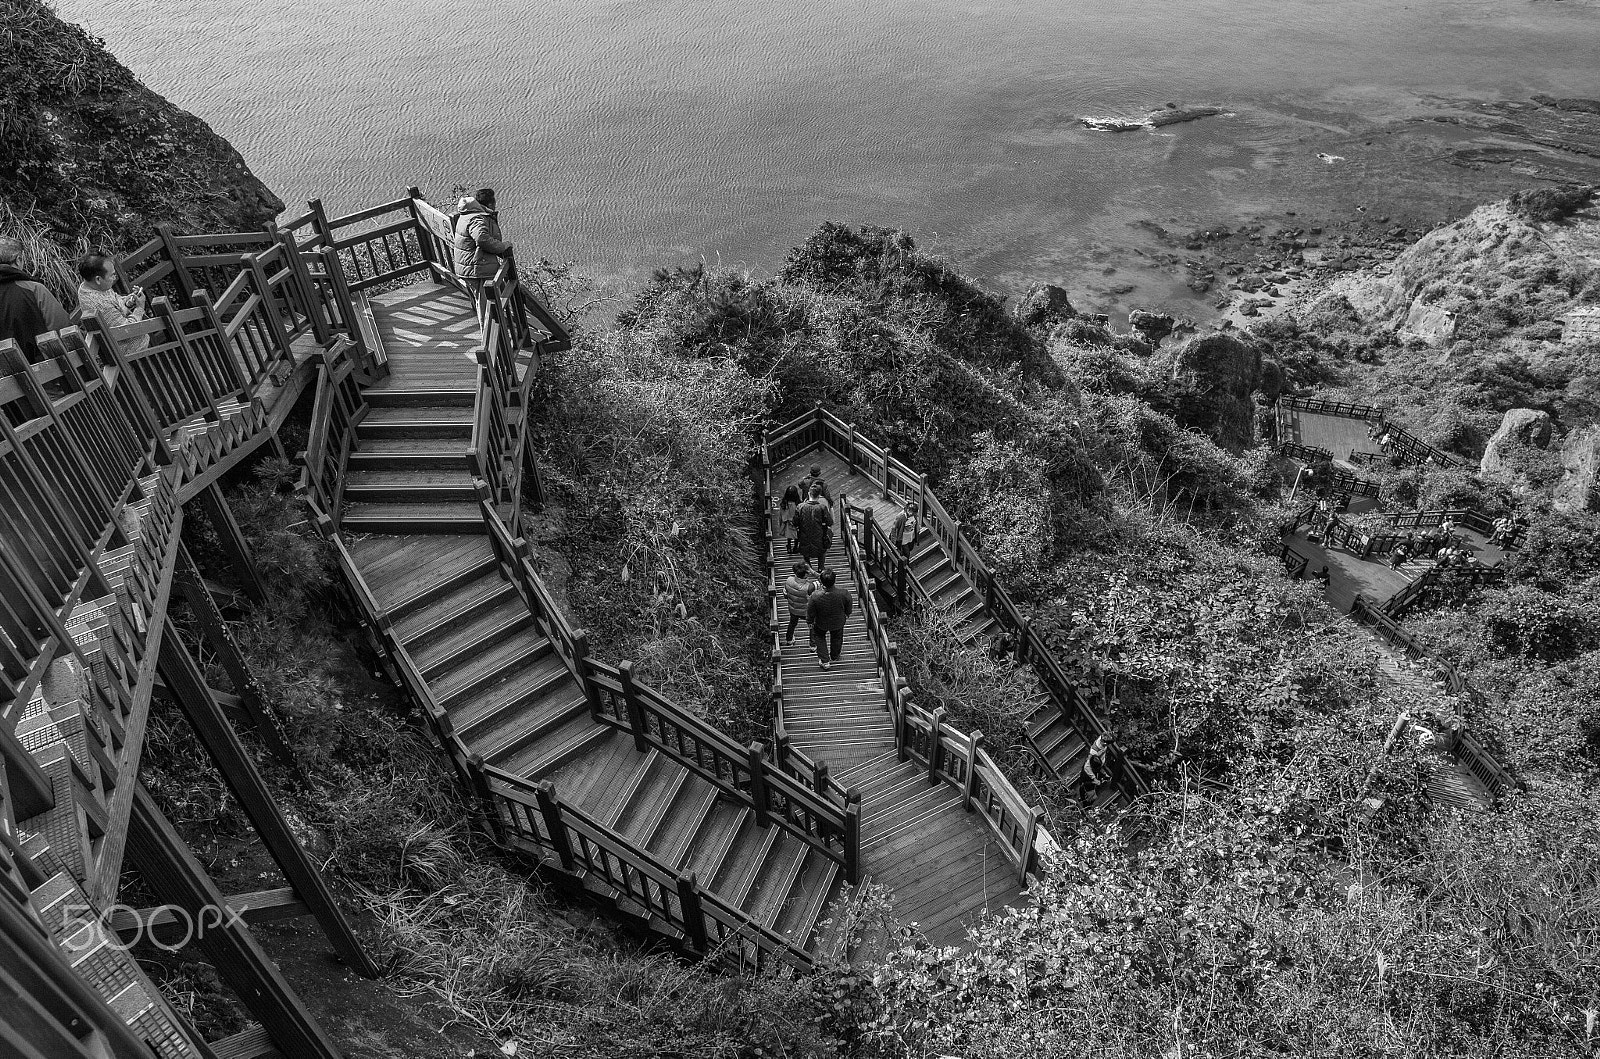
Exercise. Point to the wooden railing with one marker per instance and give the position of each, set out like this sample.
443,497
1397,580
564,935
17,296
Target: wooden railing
338,409
896,480
1469,750
950,755
1405,444
1432,580
1336,479
1383,543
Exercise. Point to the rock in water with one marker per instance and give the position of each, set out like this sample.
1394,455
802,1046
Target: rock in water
1153,326
1524,428
1169,115
1045,305
1580,464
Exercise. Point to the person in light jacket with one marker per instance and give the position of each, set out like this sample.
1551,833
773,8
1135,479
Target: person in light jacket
797,589
479,244
98,297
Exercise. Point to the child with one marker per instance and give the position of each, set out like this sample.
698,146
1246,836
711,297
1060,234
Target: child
797,589
792,499
97,297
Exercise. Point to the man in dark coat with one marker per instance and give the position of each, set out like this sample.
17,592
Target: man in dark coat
27,308
815,478
813,529
828,610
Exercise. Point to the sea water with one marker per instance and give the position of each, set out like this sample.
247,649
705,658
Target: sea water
634,134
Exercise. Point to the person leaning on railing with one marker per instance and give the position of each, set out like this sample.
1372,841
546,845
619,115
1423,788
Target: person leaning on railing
479,243
98,297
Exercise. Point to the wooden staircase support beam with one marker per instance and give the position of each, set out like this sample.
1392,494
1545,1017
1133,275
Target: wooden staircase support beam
233,543
226,648
222,743
171,870
162,925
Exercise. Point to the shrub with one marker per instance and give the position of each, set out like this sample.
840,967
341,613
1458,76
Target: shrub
1546,205
1527,621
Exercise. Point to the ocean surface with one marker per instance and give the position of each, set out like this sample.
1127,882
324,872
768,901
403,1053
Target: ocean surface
628,135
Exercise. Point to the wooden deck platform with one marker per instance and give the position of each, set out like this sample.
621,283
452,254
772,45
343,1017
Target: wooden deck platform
1339,435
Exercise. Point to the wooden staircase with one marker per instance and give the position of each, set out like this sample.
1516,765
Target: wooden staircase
1058,741
506,691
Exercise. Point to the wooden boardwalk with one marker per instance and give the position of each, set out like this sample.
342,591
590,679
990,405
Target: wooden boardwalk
916,838
508,694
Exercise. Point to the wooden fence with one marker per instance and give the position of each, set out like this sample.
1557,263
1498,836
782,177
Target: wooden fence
1404,444
896,480
1469,750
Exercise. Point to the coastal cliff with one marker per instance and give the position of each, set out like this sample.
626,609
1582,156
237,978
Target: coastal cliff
91,157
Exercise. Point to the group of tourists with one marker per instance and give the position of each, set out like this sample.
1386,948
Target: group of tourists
825,607
28,308
1441,544
1506,528
807,516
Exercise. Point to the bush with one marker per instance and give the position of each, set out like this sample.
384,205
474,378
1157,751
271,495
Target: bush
1547,205
1527,621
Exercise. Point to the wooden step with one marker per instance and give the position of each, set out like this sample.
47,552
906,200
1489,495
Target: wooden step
438,456
708,849
439,423
585,779
427,582
421,625
642,816
520,684
774,880
737,874
656,769
797,917
682,820
494,663
511,731
408,397
409,485
448,650
413,518
574,737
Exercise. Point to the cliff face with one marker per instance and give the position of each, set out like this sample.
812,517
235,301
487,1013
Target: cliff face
88,154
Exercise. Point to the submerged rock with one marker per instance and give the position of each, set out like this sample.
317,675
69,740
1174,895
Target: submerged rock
1169,115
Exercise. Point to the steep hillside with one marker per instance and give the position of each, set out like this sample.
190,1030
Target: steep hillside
91,157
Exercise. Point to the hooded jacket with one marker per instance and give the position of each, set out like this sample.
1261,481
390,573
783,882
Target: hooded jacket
27,309
478,241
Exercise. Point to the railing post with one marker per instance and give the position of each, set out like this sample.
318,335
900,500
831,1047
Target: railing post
973,743
819,776
922,498
935,728
1029,856
180,272
580,662
269,307
1024,647
485,795
850,449
852,836
550,810
635,707
758,781
694,917
310,299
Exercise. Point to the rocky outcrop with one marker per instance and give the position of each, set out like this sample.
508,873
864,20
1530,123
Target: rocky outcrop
1171,114
1430,323
91,153
1580,466
1152,326
1521,428
1212,380
1045,305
